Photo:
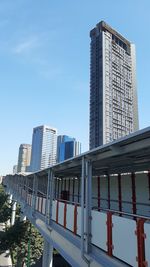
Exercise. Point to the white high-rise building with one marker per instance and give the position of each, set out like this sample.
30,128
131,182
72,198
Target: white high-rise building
44,146
24,158
113,93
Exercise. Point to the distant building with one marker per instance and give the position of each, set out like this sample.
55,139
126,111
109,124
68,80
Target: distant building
67,147
1,179
24,158
15,168
113,92
44,145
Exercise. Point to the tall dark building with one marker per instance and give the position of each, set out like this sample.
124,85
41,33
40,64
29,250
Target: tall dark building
113,94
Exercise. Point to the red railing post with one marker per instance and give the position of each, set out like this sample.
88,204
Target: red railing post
141,243
65,214
109,233
75,220
57,211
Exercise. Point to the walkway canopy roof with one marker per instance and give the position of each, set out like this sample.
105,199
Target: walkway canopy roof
127,154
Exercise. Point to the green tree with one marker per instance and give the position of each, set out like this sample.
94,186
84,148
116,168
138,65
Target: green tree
17,239
5,207
29,248
22,239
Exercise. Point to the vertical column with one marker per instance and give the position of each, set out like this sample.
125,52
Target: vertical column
133,193
109,233
69,187
141,243
26,188
13,215
65,184
48,196
10,199
86,209
98,192
61,188
57,195
73,188
75,219
34,193
9,202
78,190
49,199
47,254
57,211
82,205
88,205
119,193
55,183
148,175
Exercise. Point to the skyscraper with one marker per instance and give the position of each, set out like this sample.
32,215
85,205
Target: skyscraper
15,169
113,93
44,142
24,158
67,147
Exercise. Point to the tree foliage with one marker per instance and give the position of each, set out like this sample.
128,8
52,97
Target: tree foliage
5,207
22,239
29,247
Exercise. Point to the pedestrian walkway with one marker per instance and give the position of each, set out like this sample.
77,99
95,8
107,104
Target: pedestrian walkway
5,259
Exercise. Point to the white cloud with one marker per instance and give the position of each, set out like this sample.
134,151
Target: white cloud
26,45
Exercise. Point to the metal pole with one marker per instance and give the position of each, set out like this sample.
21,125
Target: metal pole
51,195
88,204
13,215
82,207
48,197
82,212
10,199
47,254
34,193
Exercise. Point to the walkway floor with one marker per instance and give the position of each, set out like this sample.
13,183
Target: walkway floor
5,259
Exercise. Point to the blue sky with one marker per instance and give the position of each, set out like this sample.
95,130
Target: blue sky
44,65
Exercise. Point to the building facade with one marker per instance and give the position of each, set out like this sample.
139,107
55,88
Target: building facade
24,158
113,93
15,169
67,147
44,144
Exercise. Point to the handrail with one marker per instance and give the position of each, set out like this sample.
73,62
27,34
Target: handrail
123,213
123,201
